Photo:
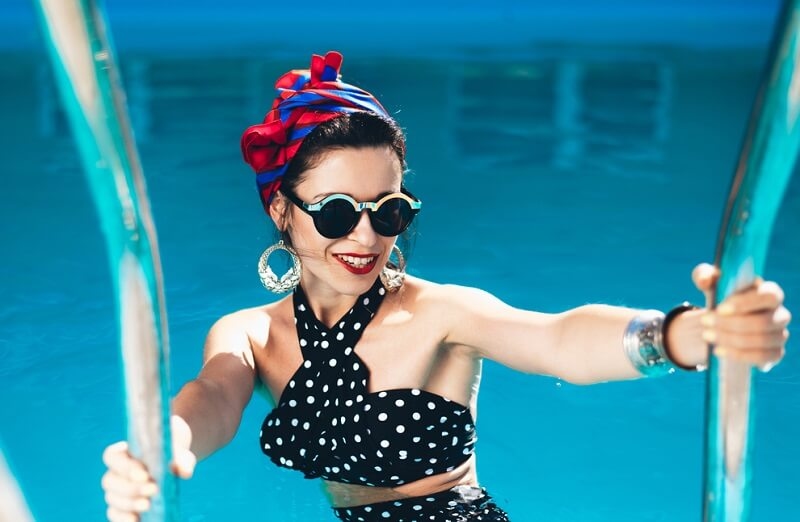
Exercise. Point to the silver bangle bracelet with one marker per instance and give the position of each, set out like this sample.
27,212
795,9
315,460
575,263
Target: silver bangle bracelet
643,343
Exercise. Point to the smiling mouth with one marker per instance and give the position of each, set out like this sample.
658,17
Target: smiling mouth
357,262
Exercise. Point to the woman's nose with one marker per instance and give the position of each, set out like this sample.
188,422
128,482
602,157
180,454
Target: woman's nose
363,231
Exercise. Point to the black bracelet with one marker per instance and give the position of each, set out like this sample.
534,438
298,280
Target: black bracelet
672,314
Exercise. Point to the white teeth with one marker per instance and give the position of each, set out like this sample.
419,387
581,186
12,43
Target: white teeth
357,261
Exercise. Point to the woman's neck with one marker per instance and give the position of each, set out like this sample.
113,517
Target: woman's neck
327,304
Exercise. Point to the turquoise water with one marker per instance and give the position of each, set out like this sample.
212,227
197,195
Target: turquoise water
553,176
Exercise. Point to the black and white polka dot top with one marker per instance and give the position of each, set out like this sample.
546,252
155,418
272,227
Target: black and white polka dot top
327,425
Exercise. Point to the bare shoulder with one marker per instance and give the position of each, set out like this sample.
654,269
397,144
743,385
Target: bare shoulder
242,330
450,305
474,317
447,296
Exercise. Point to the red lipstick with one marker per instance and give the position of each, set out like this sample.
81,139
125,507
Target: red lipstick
356,263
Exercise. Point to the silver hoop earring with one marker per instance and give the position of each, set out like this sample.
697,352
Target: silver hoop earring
393,275
288,281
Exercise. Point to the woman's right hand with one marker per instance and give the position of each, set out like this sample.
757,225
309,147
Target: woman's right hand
128,485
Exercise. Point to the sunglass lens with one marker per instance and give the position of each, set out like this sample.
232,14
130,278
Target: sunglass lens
392,217
336,218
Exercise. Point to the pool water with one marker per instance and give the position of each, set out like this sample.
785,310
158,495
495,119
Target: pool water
553,176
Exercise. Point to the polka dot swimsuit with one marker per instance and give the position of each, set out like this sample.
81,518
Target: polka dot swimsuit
459,504
327,424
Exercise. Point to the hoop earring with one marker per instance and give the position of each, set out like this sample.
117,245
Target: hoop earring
288,281
393,275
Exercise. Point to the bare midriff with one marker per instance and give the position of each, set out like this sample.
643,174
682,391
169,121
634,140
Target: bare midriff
343,495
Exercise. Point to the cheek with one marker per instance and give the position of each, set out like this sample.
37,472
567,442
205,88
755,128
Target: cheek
388,243
307,241
301,228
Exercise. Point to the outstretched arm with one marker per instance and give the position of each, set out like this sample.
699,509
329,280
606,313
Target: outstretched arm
584,345
581,346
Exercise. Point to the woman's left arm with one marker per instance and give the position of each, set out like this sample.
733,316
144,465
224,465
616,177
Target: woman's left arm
584,345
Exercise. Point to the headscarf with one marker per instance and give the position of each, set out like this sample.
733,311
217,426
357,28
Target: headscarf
305,98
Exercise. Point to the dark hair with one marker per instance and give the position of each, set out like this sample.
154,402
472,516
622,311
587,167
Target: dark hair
350,130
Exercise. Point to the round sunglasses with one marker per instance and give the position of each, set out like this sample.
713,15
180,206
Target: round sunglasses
337,215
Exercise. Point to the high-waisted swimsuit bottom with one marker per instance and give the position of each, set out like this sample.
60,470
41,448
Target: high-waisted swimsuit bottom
459,504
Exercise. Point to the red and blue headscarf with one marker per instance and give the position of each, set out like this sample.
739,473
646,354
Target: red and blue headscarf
305,98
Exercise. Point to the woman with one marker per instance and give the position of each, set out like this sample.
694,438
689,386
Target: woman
375,375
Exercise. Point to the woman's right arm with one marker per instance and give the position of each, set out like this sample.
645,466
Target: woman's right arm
210,407
206,415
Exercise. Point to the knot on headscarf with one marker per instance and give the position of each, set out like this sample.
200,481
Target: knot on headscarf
305,98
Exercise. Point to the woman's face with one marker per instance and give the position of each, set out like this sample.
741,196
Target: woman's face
350,264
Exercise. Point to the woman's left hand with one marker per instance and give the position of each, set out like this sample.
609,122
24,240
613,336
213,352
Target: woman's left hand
748,326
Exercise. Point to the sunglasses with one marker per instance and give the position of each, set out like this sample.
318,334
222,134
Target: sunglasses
338,214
